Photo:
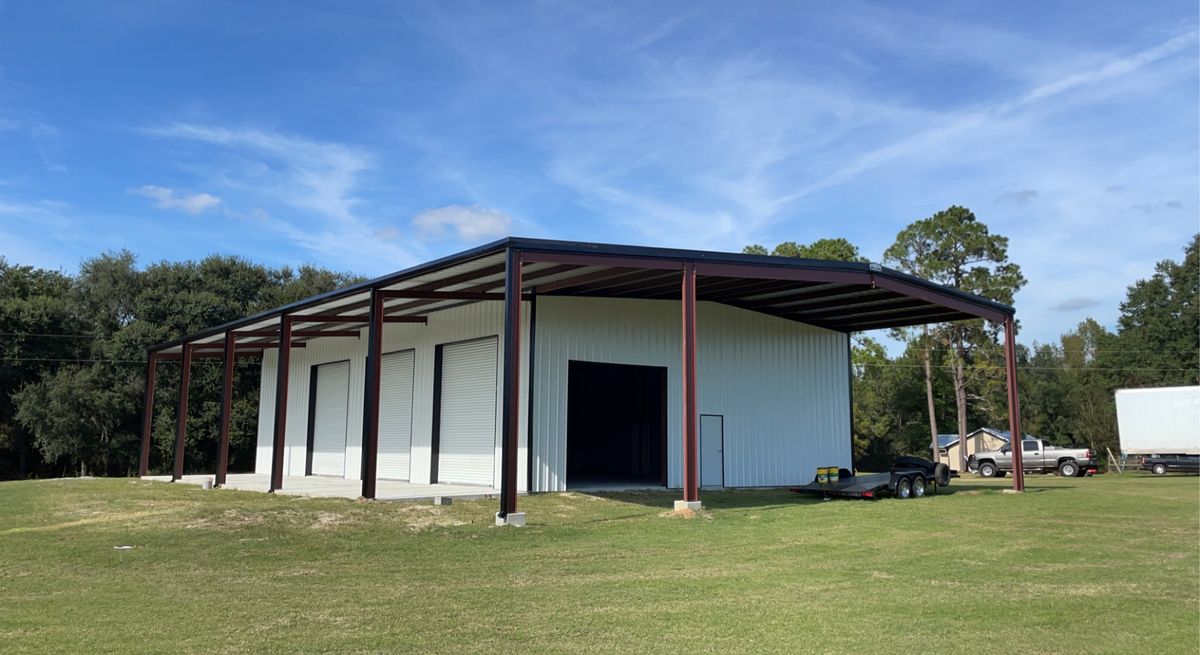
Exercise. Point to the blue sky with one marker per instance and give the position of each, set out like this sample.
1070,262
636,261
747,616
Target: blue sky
368,136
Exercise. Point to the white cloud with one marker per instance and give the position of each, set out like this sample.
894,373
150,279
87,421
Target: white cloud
467,223
300,188
302,173
165,198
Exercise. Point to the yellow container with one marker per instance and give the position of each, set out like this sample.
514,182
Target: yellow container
833,475
822,475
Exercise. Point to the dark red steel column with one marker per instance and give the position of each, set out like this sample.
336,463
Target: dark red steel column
185,381
226,409
370,426
1014,403
512,380
281,392
691,477
148,414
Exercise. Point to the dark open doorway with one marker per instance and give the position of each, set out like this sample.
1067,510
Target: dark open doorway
616,425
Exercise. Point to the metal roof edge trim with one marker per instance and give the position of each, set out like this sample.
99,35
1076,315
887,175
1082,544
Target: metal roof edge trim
420,269
585,247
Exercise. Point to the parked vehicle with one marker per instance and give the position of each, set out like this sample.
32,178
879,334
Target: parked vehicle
909,477
1163,421
1036,456
1163,464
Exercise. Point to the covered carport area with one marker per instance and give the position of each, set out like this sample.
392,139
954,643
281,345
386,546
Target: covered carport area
839,296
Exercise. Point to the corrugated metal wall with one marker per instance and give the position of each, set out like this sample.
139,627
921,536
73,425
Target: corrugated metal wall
458,324
781,386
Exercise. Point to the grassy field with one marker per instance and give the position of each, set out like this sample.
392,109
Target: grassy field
1107,564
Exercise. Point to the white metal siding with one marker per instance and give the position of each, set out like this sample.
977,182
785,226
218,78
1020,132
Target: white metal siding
395,414
330,409
467,430
461,323
782,386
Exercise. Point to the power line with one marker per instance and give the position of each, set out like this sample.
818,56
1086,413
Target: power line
935,349
93,361
76,361
1085,350
1040,368
49,335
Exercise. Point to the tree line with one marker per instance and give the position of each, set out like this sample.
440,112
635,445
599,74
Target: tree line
73,353
950,377
73,359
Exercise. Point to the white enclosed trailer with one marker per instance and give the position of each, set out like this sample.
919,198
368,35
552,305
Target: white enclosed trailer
1159,421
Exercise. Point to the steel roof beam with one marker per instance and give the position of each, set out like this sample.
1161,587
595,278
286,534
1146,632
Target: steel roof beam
587,278
298,333
937,317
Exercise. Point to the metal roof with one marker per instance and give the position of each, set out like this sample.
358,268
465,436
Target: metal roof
947,440
842,296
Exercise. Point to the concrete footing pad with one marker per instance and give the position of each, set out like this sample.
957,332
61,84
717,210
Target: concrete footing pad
693,505
515,519
1010,490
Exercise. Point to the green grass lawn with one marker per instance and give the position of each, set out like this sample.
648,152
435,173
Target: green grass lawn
1106,564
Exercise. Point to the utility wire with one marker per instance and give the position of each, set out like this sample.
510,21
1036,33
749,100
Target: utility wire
48,335
1041,368
205,360
871,365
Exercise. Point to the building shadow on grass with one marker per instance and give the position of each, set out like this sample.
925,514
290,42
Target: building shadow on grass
777,498
762,499
998,486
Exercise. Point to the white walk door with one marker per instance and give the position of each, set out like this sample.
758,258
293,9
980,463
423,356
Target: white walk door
467,423
330,406
712,450
395,414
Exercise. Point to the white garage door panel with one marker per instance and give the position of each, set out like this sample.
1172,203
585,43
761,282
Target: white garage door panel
395,415
467,435
329,419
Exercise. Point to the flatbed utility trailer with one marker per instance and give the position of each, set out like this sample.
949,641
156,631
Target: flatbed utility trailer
909,477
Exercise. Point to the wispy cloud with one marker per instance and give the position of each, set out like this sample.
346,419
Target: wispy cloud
1074,304
303,173
165,198
1151,207
465,223
301,188
689,149
1021,197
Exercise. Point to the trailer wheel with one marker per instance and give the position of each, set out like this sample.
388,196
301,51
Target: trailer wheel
904,488
1068,469
918,486
987,470
1001,474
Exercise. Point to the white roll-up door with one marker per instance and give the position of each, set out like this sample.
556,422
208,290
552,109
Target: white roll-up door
330,406
467,425
395,414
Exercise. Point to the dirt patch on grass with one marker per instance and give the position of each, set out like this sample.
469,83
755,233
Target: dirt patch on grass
686,514
97,519
419,518
230,519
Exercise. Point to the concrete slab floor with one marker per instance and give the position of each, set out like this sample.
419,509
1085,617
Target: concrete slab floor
340,487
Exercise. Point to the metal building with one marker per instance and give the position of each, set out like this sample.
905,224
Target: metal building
535,365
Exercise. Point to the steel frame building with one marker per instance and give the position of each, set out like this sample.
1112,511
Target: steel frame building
832,298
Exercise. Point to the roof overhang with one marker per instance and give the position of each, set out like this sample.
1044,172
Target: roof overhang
841,296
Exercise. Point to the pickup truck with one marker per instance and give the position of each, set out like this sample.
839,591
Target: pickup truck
1163,464
1036,455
